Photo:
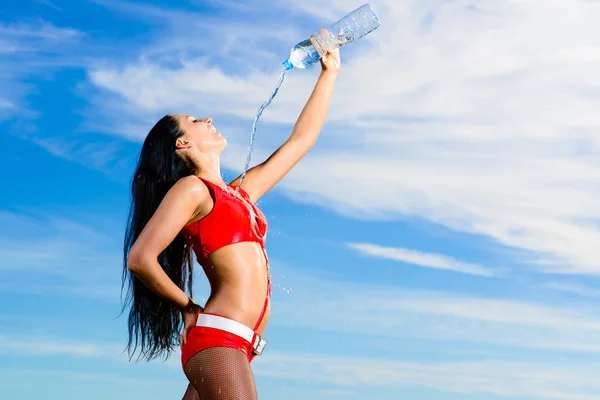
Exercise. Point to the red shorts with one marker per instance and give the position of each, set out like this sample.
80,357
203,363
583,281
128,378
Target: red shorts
202,338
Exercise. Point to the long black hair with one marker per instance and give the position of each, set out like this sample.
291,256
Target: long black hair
153,321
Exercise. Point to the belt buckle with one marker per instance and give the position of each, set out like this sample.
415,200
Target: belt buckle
259,345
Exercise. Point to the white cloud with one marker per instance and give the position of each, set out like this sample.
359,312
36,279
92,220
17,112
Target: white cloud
30,49
478,115
400,313
214,39
74,376
42,31
24,346
19,346
49,4
100,292
69,257
196,82
428,260
6,104
579,290
502,378
107,157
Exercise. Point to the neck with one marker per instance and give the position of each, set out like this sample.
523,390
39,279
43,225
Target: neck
209,168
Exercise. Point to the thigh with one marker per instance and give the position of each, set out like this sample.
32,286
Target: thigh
221,373
191,393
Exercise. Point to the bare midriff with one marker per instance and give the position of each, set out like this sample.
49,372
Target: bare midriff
238,277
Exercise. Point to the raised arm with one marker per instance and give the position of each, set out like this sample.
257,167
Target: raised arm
264,176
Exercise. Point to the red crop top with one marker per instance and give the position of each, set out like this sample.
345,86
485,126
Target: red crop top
232,220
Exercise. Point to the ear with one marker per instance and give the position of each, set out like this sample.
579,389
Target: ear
182,144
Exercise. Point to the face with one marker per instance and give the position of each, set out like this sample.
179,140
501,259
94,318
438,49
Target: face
200,134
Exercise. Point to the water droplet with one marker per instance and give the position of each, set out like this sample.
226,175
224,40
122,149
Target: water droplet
219,390
201,380
289,290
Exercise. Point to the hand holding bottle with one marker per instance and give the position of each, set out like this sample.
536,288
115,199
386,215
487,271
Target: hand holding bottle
330,58
353,26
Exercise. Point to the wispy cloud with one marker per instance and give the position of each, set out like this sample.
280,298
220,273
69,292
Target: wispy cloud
27,346
220,33
6,104
85,291
24,346
40,31
580,290
79,376
444,317
498,377
29,49
106,156
49,4
56,248
427,260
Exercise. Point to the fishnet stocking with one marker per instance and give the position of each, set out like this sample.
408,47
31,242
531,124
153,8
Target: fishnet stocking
191,393
221,373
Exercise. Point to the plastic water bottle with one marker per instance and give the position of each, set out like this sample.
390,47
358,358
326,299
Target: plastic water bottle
353,26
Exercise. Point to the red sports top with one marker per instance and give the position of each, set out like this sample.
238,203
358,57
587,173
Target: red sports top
233,219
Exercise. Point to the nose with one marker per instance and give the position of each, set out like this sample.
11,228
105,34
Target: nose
209,121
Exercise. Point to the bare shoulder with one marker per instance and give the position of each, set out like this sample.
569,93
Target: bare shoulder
191,186
188,194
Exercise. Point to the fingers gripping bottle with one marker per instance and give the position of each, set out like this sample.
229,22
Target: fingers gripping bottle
353,26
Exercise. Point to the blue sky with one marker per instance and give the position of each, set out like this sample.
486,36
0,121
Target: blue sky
440,241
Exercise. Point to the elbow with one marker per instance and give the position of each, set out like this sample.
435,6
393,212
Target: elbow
311,141
136,260
132,263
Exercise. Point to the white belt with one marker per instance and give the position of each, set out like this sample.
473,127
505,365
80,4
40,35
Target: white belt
237,328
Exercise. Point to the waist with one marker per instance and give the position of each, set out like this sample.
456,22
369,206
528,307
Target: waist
246,314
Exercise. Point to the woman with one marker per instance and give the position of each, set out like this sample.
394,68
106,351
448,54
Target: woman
180,202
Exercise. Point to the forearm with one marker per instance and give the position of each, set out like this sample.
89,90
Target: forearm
313,115
150,273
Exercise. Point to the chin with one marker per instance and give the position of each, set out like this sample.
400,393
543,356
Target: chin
223,144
